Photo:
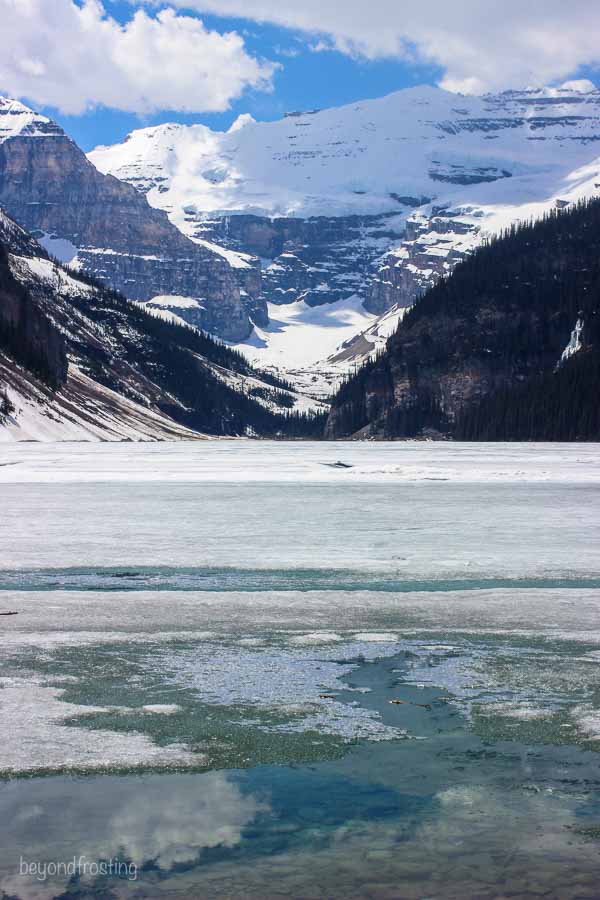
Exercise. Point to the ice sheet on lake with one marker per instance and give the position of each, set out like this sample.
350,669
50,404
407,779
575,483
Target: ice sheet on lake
242,461
38,739
516,525
422,530
47,620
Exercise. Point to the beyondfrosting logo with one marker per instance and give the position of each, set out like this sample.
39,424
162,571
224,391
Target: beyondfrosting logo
78,865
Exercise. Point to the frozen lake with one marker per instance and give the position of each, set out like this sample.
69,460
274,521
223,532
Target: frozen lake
260,669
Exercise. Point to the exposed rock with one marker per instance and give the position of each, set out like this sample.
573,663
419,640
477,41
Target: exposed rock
320,259
49,186
433,245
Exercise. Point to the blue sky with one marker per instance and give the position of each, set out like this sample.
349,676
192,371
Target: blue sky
104,67
306,80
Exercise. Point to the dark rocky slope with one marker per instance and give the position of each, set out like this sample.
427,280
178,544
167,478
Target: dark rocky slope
74,336
27,333
480,356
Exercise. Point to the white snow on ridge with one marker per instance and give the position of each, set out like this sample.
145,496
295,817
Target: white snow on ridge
171,308
16,119
82,410
235,259
173,301
363,157
387,324
35,267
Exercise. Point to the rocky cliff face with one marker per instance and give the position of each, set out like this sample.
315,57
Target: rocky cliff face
105,226
435,240
320,260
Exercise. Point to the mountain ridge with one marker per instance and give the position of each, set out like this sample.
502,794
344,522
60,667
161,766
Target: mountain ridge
423,177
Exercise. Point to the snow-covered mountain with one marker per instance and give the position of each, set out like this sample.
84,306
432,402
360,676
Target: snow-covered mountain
364,158
374,200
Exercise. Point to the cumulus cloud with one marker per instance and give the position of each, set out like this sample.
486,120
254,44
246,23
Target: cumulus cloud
479,45
74,56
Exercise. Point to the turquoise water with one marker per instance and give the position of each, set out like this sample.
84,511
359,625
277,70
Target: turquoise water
221,579
446,810
240,689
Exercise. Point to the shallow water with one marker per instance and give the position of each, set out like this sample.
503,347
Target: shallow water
235,670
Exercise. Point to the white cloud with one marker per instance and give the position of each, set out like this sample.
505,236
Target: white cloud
479,45
583,85
73,57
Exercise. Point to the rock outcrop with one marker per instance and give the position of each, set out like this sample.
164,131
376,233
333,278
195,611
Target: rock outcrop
321,259
435,240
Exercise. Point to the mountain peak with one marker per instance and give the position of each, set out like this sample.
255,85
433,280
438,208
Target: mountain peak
16,119
242,121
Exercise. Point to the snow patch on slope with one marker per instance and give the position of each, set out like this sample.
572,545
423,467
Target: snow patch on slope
38,268
302,335
235,259
369,342
575,344
172,301
82,410
315,347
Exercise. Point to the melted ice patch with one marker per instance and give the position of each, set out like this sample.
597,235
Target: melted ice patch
294,683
